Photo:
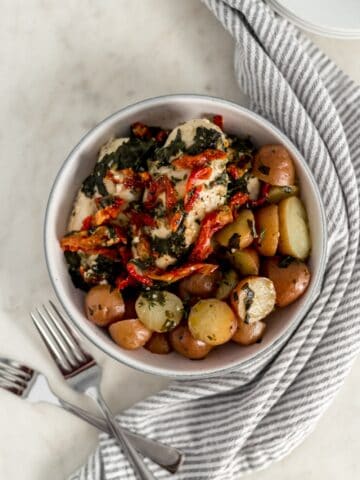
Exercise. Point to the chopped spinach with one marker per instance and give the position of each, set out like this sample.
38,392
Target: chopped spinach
239,185
204,138
106,268
132,154
243,147
73,260
163,154
173,245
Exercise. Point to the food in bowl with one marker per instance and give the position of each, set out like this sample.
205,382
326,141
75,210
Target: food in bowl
188,239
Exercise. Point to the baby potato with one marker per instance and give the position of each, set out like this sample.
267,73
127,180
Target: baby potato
273,164
294,232
253,298
246,262
104,305
228,281
159,344
184,343
160,311
129,334
238,234
276,194
267,226
198,285
290,279
249,333
212,321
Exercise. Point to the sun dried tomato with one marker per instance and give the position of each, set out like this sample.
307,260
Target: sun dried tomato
195,161
211,223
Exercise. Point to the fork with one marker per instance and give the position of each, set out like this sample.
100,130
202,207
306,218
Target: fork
83,374
33,386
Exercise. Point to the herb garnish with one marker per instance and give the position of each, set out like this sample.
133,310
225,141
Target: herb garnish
285,261
249,298
154,297
251,225
261,235
234,241
264,169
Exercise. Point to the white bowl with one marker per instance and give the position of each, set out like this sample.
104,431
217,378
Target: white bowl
169,111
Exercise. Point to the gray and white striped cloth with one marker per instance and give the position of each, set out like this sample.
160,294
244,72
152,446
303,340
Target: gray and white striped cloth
236,423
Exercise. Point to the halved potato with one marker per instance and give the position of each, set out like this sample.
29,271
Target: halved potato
246,262
227,283
253,298
276,194
273,164
184,343
249,333
130,334
290,279
267,227
160,311
294,231
212,321
240,233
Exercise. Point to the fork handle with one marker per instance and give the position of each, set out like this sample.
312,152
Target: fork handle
135,459
167,457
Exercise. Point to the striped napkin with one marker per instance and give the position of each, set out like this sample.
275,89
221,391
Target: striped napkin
242,421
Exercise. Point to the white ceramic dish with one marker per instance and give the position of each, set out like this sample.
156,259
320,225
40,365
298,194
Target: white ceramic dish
169,111
330,18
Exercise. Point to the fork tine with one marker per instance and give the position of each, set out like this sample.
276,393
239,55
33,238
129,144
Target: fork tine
11,387
52,346
16,369
8,376
57,336
67,334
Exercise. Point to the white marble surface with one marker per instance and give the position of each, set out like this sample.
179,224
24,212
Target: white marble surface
64,66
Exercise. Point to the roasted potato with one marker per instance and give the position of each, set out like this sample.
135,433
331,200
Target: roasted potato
228,281
198,285
159,310
267,226
238,234
253,298
246,262
130,334
249,333
212,321
276,194
290,278
159,343
184,343
294,231
104,305
273,164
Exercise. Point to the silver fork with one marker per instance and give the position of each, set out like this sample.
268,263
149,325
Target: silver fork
83,374
33,386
